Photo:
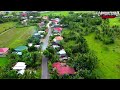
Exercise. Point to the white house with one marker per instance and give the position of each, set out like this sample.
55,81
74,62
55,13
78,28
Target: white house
41,36
20,67
23,18
41,32
18,53
24,22
30,17
36,34
62,52
55,46
37,46
30,44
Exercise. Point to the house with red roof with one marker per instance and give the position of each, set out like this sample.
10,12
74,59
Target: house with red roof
57,39
55,21
24,14
57,29
62,68
41,24
3,51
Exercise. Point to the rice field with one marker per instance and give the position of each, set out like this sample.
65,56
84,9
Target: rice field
16,37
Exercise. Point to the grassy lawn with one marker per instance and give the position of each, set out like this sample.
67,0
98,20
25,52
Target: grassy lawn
65,13
108,56
6,25
3,61
16,37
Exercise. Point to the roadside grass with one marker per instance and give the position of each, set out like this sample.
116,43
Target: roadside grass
7,25
15,37
108,58
3,61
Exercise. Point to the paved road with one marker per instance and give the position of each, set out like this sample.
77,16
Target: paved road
45,74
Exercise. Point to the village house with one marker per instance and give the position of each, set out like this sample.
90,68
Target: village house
55,21
30,17
24,14
57,39
19,49
41,32
24,22
55,46
37,46
30,44
3,52
57,30
62,68
61,52
41,24
20,67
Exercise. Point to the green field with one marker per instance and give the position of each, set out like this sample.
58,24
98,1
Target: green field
15,37
108,56
114,21
3,61
6,25
65,13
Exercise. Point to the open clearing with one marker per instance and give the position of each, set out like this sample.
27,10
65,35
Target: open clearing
16,37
